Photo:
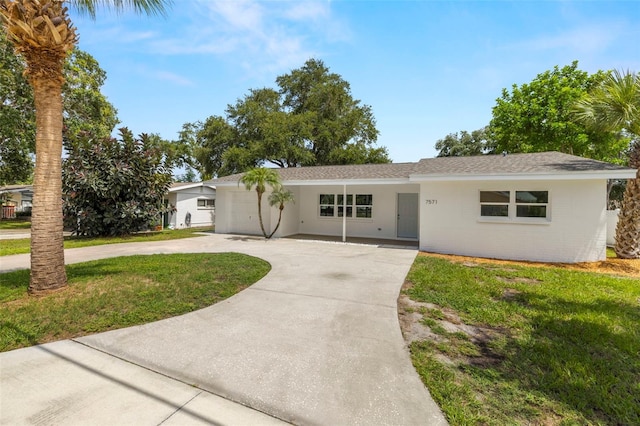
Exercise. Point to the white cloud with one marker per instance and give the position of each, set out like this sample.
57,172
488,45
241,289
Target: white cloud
173,78
586,39
266,36
308,10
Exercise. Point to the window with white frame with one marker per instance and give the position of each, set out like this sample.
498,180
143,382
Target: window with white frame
206,203
327,205
494,203
515,205
335,205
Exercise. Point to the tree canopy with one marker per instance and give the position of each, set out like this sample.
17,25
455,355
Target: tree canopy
537,116
464,144
17,118
85,108
310,119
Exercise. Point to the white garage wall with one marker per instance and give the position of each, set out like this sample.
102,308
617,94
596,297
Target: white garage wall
381,225
450,222
237,212
290,215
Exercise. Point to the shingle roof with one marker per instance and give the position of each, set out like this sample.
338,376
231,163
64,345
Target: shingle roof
533,163
490,165
356,171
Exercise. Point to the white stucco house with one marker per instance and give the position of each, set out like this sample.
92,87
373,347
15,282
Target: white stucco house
547,207
194,205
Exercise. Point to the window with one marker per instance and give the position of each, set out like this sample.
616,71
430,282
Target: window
349,204
206,204
334,205
494,203
327,205
364,205
531,203
514,204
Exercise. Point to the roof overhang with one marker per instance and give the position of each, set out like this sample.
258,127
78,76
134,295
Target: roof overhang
608,174
191,186
330,182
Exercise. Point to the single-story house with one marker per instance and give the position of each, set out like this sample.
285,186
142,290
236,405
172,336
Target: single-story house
16,199
193,205
547,206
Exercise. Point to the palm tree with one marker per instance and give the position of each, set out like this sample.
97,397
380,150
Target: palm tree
279,197
260,177
614,106
43,34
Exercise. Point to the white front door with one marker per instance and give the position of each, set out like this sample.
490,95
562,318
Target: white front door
407,216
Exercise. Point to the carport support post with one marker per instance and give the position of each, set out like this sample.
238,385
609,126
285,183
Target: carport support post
344,213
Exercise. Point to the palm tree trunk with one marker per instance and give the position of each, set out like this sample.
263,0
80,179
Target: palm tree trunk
628,229
260,213
47,251
279,220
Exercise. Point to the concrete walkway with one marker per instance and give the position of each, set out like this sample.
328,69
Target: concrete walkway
316,341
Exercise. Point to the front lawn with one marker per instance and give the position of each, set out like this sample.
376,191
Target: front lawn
21,246
120,292
511,344
14,224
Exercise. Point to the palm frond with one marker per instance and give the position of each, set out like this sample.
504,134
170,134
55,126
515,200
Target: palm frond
147,7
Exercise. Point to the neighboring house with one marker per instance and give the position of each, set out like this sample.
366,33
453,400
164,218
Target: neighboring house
540,207
193,205
15,199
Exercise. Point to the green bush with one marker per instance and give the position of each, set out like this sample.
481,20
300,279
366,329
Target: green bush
114,187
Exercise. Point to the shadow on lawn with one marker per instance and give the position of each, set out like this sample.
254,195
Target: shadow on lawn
586,366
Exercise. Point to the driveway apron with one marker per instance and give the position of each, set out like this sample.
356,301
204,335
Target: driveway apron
316,341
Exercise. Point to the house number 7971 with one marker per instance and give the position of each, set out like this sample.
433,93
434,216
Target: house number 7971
432,201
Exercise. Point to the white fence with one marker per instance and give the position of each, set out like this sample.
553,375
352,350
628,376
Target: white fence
612,222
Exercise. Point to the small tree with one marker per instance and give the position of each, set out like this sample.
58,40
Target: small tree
259,178
114,187
280,197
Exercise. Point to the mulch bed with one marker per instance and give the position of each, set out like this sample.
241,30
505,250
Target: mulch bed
613,266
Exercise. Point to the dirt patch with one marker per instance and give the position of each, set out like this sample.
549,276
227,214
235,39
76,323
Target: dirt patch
522,280
612,266
411,316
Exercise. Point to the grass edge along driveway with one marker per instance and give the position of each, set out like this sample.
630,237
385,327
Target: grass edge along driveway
120,292
23,245
507,344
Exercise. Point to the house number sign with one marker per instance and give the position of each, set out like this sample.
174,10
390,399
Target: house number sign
429,202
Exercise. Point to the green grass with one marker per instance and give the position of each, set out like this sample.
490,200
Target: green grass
557,346
15,224
120,292
21,246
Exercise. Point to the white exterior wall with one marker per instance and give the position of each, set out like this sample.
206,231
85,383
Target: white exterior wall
612,223
186,201
290,223
237,211
382,224
576,232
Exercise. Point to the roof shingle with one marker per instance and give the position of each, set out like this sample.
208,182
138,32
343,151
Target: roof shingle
533,163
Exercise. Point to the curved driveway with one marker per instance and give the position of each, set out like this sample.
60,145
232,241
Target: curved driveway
316,341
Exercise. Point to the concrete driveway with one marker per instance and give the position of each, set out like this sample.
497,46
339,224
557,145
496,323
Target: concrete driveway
316,341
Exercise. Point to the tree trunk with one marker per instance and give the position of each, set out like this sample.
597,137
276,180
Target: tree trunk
47,250
279,220
260,213
628,228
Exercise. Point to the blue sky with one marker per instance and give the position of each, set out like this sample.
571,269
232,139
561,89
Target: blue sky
427,68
